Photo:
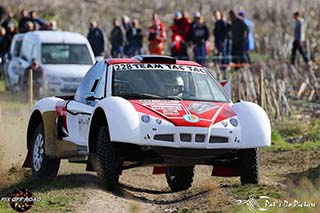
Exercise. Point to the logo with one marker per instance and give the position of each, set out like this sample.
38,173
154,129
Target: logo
191,118
21,200
201,107
265,203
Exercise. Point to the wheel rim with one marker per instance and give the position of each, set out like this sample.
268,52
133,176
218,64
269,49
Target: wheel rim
38,152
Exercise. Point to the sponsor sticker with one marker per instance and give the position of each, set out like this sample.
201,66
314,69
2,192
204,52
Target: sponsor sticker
200,108
191,118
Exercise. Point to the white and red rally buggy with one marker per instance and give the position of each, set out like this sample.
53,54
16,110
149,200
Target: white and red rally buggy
148,111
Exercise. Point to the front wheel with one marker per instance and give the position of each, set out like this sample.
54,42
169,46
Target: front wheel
180,178
42,165
108,160
249,166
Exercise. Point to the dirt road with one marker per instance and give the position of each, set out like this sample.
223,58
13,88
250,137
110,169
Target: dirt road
75,190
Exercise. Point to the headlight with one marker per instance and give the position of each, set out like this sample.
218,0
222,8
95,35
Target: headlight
52,78
158,121
224,123
234,122
145,118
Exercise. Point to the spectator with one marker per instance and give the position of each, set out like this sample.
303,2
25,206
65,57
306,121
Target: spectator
96,38
157,36
23,20
299,38
53,25
11,32
125,26
36,20
4,47
178,45
199,35
135,38
9,20
239,32
182,23
117,40
37,77
4,42
249,46
29,26
220,33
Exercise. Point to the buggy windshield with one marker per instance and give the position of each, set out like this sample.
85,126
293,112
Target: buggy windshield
151,81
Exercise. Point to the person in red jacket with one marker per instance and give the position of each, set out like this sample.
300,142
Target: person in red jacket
178,45
157,36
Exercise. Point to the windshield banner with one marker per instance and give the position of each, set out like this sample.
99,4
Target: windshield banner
157,67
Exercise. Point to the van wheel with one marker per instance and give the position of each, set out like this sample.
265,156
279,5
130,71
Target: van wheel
249,166
42,165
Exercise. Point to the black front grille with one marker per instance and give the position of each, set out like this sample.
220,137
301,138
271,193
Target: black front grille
200,138
218,139
185,137
164,137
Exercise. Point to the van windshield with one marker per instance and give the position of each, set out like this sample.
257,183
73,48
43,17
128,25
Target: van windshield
65,54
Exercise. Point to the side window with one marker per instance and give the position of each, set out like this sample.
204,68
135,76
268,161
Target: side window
93,83
26,51
17,48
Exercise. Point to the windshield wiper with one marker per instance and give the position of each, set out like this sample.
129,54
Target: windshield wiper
147,95
139,95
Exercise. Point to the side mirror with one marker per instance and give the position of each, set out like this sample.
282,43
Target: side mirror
227,87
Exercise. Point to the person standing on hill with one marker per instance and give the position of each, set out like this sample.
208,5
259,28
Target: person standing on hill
198,35
157,36
299,38
249,46
116,40
37,77
239,33
22,21
135,39
220,33
96,39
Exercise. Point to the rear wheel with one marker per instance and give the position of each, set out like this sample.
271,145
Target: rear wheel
180,178
249,166
42,165
108,160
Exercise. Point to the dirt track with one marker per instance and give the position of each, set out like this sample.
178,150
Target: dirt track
139,190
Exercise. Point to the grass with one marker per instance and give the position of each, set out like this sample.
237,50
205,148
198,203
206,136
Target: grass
290,129
2,87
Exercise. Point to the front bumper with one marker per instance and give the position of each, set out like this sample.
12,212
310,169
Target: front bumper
217,136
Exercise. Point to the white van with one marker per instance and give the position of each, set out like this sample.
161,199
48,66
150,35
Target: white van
64,56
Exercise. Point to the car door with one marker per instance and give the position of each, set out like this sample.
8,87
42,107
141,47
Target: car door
12,73
79,110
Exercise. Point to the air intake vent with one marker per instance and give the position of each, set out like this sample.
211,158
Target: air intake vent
185,137
155,59
164,137
217,139
200,138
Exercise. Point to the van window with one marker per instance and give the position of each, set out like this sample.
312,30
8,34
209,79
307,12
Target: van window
26,50
17,48
65,54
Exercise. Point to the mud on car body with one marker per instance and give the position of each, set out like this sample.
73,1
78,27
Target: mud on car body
148,111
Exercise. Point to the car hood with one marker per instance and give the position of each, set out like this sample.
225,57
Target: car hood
66,70
185,113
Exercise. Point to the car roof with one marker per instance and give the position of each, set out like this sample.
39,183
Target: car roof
151,60
58,37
